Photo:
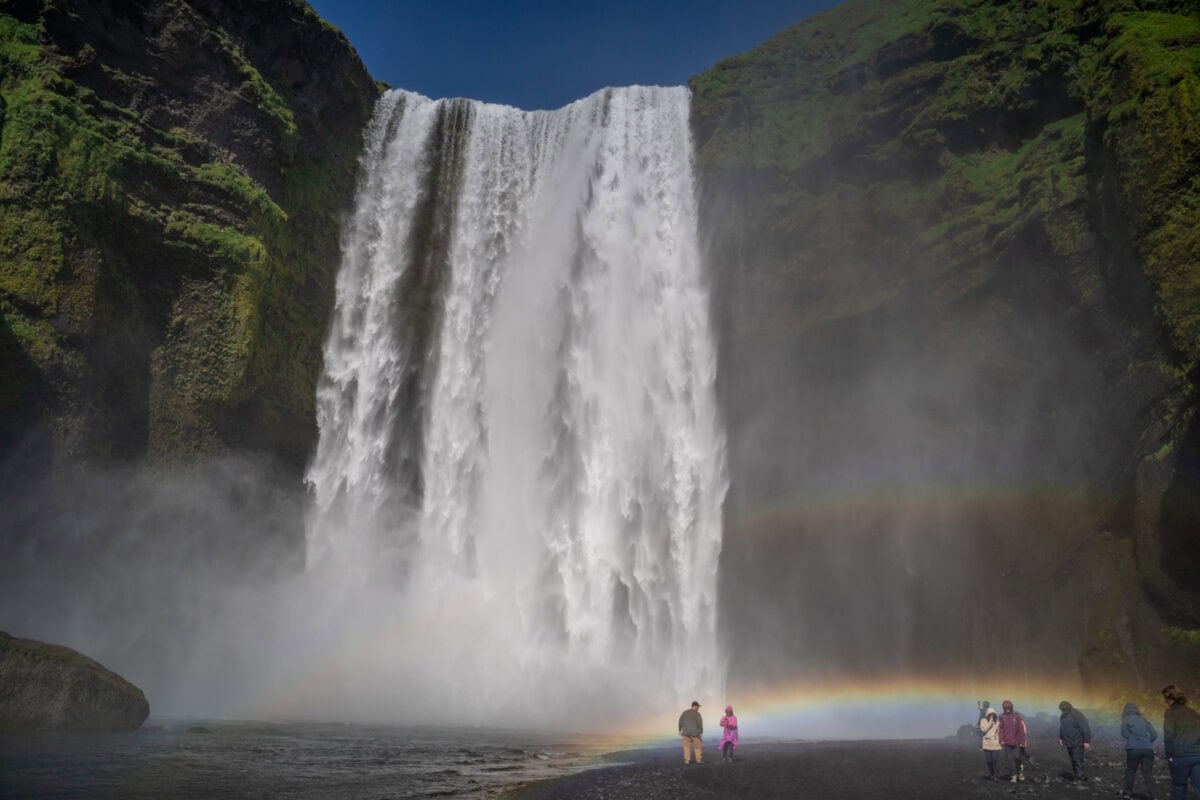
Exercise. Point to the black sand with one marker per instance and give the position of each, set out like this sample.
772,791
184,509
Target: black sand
949,768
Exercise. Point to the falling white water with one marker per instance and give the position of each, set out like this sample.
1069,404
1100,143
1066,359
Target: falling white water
520,470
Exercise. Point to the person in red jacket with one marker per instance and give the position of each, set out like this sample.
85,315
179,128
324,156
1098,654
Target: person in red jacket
1013,737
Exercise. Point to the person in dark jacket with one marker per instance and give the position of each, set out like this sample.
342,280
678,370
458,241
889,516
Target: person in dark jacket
1139,736
1075,735
691,728
1181,742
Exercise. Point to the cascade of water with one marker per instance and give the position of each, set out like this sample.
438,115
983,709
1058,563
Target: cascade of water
518,428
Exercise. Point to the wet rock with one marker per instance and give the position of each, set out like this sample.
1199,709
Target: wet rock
48,687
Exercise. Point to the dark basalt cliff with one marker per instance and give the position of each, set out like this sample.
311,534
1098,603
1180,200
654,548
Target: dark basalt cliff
47,687
956,255
172,179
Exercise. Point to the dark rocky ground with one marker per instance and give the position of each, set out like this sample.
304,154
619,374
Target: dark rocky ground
948,768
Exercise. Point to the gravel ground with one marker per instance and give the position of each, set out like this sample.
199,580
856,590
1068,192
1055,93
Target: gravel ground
948,768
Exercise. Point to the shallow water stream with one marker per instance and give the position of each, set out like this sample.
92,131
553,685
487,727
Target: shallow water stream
202,759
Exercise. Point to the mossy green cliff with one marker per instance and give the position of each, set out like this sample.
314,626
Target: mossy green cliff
172,180
955,247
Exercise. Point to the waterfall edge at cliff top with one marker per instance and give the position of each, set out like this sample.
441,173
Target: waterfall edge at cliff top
519,478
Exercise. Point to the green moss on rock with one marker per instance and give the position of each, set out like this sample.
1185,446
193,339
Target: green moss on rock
172,180
1147,102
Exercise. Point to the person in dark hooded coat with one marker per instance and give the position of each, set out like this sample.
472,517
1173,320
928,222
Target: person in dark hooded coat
1139,736
1075,735
1181,742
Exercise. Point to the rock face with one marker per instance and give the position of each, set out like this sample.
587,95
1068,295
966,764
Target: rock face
953,246
47,687
174,175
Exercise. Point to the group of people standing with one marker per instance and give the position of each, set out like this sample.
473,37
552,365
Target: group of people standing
1004,738
691,728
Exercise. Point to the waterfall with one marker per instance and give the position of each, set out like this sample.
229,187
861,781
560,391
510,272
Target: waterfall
520,459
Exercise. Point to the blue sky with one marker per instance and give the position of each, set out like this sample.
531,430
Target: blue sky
545,53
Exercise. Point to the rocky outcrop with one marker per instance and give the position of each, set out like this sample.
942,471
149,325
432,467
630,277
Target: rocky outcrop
47,687
174,175
953,247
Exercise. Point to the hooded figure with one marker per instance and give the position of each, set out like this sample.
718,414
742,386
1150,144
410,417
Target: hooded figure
729,740
1139,736
1013,738
1136,730
1075,735
989,731
1181,742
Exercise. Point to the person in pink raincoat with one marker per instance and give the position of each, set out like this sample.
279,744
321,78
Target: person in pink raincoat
730,737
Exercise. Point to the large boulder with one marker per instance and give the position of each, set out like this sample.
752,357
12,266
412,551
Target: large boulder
48,687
